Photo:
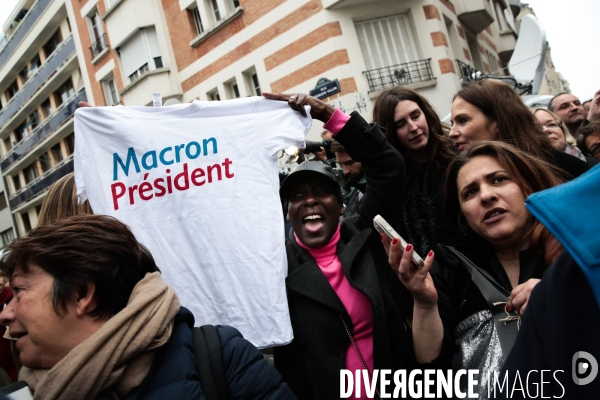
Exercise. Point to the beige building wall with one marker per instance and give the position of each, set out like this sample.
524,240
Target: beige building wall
287,46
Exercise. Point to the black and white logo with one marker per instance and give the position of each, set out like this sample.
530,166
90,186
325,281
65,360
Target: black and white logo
584,367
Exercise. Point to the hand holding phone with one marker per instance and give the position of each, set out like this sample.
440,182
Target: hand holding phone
382,226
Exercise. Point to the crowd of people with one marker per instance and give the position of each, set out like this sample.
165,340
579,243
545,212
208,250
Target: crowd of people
89,315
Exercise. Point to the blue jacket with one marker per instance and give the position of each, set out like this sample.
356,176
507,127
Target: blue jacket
173,373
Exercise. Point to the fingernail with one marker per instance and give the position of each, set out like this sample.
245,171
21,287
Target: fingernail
395,241
430,254
508,307
409,247
381,236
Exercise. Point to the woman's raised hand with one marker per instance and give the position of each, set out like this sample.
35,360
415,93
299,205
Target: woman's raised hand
318,109
417,280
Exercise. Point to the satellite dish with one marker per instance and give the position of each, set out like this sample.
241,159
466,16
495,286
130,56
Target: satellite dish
529,57
172,101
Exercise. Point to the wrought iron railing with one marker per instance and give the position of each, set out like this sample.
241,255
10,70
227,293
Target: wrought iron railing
467,72
98,46
42,182
49,125
399,75
39,78
25,26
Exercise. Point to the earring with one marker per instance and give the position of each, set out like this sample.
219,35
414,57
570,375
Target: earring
343,210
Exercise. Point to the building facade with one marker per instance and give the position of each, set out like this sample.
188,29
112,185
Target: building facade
40,86
109,52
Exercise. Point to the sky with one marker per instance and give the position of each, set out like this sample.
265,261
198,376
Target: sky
570,29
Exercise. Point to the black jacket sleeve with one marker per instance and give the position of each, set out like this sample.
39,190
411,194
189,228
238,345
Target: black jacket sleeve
383,167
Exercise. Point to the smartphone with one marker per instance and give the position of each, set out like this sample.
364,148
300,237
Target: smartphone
386,229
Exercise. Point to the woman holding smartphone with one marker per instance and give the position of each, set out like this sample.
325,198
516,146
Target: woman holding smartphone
504,256
414,129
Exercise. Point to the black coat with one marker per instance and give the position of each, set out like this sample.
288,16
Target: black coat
562,318
173,373
311,363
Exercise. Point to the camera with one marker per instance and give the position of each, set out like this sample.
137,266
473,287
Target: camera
312,147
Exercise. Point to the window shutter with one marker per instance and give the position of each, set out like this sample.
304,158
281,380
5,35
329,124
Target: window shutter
133,54
386,41
153,42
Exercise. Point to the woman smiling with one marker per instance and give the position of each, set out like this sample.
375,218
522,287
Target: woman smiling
344,299
414,129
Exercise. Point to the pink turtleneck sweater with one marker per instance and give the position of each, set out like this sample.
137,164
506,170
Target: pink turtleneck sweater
357,305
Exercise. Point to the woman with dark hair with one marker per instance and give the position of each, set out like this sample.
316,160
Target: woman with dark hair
491,110
414,129
504,256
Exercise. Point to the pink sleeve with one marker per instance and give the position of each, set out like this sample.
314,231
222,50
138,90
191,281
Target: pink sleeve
336,122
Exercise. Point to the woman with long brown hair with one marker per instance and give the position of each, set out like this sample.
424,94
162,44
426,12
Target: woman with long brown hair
492,110
414,129
504,255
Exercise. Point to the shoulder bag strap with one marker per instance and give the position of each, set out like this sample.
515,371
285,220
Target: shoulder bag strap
209,362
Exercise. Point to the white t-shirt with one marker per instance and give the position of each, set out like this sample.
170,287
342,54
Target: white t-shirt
198,185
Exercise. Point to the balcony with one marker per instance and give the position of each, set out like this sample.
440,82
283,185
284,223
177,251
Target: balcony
399,75
474,14
45,71
98,47
466,72
42,182
26,24
49,125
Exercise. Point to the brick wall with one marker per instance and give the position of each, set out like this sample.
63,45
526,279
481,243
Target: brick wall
439,39
446,66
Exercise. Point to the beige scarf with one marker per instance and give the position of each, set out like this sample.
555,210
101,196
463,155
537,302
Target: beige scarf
118,356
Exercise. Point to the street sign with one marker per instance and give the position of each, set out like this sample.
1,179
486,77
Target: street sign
325,88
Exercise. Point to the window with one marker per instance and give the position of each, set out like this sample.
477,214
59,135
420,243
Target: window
16,182
215,8
7,236
21,131
47,108
7,144
493,63
52,44
3,203
256,84
96,34
198,20
32,123
70,141
57,153
33,66
110,92
65,92
236,3
31,173
26,222
110,3
12,90
236,90
44,162
214,95
141,53
386,41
